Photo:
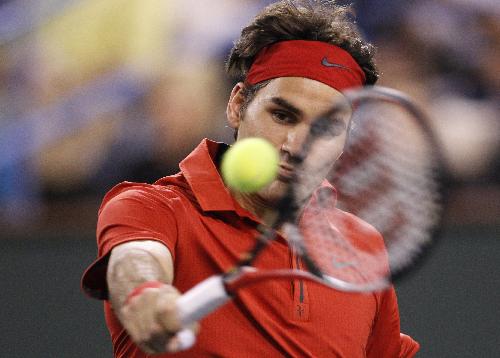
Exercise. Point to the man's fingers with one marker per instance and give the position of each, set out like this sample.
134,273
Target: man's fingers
152,321
139,316
157,343
166,312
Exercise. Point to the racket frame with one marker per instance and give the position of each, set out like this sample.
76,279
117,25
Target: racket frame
217,290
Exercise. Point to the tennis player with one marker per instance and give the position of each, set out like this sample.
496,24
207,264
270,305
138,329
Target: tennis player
155,241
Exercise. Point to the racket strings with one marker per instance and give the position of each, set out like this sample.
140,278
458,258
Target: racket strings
400,156
387,177
337,250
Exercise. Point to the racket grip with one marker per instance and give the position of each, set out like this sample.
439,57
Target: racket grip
186,339
201,300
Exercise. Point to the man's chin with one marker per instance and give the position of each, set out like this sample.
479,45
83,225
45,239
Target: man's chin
273,193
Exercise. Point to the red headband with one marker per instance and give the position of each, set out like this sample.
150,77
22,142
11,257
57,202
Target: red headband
316,60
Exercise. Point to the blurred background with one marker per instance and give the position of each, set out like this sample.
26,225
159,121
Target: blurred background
94,92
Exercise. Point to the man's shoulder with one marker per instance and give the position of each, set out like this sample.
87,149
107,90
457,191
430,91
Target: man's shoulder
357,224
166,188
364,235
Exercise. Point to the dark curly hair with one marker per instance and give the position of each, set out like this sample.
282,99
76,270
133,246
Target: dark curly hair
314,20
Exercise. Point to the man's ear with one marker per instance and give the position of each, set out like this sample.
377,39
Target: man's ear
234,104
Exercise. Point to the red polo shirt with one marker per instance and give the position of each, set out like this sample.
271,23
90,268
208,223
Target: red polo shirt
205,229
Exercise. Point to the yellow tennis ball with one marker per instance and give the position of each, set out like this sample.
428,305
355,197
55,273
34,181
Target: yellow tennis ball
249,165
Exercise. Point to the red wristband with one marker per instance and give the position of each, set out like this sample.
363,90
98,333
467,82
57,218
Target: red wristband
138,290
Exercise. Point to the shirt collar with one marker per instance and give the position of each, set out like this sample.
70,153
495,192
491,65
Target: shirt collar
200,170
201,173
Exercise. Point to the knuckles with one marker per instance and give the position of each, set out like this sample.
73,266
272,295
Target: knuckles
151,319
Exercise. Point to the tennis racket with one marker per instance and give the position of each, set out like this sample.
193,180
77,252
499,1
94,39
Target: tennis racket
389,176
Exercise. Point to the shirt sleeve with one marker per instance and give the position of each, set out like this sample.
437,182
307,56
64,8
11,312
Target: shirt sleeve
384,340
129,213
409,347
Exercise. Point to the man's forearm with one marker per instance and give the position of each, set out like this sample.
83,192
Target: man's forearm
148,313
131,265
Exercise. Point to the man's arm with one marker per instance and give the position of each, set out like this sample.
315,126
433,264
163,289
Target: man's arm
148,314
134,263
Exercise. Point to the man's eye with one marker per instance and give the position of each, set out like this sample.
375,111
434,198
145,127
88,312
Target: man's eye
336,127
282,117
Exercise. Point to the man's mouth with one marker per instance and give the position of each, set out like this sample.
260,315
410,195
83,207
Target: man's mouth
285,172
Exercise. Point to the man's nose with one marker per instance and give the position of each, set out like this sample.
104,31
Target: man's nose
295,139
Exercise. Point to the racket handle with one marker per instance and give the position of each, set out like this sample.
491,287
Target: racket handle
201,300
186,339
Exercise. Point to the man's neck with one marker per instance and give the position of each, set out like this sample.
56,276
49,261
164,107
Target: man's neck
265,211
257,206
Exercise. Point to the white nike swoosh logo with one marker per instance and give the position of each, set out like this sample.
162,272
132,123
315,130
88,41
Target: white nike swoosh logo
326,63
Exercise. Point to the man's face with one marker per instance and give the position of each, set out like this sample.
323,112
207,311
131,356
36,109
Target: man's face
282,112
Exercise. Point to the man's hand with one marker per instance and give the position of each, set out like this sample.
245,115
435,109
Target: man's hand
151,320
147,311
